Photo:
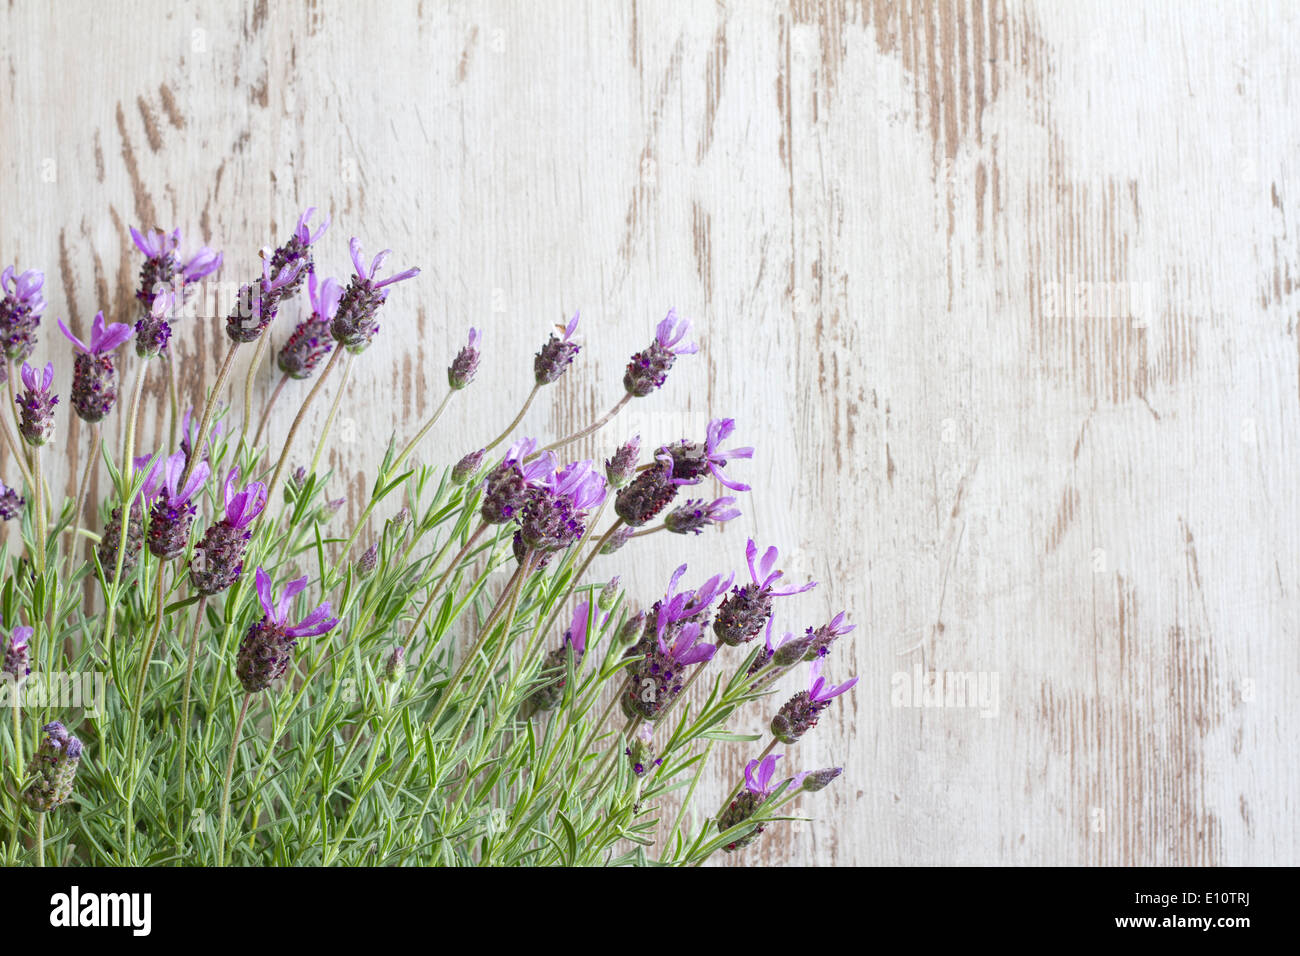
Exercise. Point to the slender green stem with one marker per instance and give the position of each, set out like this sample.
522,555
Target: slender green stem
591,429
509,429
201,435
124,494
270,404
225,786
185,708
436,591
173,398
40,839
95,443
297,422
334,410
433,420
137,707
18,739
41,535
248,388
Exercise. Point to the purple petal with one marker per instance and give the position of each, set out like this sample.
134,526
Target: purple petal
264,594
75,341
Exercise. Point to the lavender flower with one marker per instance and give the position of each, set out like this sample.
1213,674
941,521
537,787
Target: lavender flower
354,324
11,503
256,306
615,541
507,485
54,766
826,635
21,305
267,648
153,329
641,751
462,369
621,468
609,593
94,377
799,714
747,609
649,493
649,368
395,666
37,404
17,663
163,266
369,560
310,341
555,666
758,787
294,258
660,676
632,628
172,512
691,460
557,354
218,558
554,509
465,469
817,779
694,516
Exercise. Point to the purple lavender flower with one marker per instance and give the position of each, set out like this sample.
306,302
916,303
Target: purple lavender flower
21,305
94,377
799,714
465,469
621,468
153,330
172,512
369,560
507,485
641,751
555,666
395,666
747,609
649,493
54,766
678,607
816,779
554,510
17,661
218,558
164,268
354,324
649,368
826,635
294,257
310,341
557,354
256,306
694,516
691,459
758,787
37,404
660,676
267,648
11,503
188,437
462,369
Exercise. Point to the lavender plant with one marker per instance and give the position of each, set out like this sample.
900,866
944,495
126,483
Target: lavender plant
204,668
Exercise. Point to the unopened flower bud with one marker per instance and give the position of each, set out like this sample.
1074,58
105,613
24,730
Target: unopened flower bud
465,469
631,630
54,766
641,751
792,651
395,666
621,467
369,560
462,369
608,594
820,779
617,540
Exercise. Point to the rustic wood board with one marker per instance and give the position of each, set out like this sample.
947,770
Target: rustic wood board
1003,293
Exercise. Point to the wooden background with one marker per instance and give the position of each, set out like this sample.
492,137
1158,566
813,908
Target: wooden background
1005,294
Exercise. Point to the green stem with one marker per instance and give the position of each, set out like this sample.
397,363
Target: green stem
433,419
270,404
40,839
594,427
248,389
518,418
297,422
334,409
124,494
137,707
185,709
225,787
201,435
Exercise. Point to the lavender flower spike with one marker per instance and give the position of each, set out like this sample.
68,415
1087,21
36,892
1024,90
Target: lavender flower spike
691,460
747,609
354,324
694,516
799,714
507,485
218,558
172,513
467,467
16,656
555,665
621,468
163,266
648,369
37,404
556,355
660,676
267,647
21,305
826,635
462,369
649,493
554,510
257,305
54,766
758,787
296,254
310,341
94,377
153,330
11,503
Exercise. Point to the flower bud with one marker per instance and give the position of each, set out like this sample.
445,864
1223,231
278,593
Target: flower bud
630,632
395,666
820,779
608,594
465,469
366,564
54,766
617,540
621,467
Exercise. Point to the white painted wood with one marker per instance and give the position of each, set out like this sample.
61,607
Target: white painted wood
880,216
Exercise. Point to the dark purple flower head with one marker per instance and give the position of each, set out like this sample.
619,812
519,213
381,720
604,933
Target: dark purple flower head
462,369
296,255
697,514
660,676
94,379
799,714
685,647
648,369
649,493
256,306
354,324
556,355
506,486
21,305
153,330
747,609
826,635
54,767
691,459
465,469
172,513
11,503
267,649
17,661
37,404
163,266
218,560
758,787
310,341
554,510
621,468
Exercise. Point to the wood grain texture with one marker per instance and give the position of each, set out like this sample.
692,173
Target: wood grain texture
1005,294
